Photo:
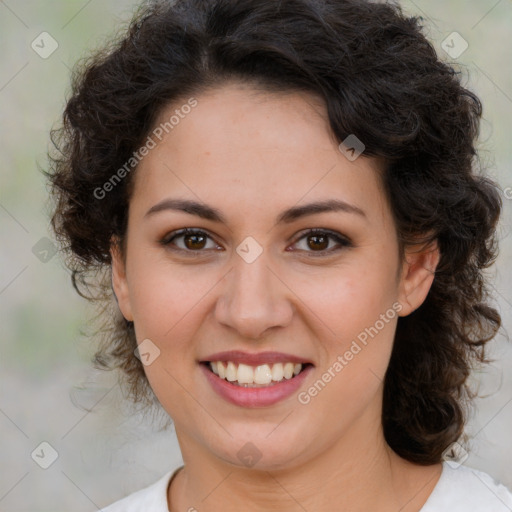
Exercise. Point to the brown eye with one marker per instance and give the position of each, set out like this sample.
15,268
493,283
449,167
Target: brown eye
318,241
194,242
188,240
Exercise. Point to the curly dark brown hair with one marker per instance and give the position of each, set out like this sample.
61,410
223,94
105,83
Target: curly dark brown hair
381,80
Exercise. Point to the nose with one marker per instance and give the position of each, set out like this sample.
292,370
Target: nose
254,299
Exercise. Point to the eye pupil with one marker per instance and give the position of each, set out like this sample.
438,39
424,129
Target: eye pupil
323,244
194,238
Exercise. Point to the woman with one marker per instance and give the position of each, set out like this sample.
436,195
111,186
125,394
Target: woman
280,196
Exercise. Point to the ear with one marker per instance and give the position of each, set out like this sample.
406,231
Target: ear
418,274
119,282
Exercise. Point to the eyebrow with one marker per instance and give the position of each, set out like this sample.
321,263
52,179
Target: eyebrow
287,216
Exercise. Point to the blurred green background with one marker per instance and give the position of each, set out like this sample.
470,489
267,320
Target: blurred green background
44,358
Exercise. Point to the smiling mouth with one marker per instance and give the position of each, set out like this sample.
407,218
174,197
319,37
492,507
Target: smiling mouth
264,375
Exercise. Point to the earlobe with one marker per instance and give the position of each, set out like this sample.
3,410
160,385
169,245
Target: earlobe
119,281
417,276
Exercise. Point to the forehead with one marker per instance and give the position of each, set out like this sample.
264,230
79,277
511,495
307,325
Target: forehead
236,118
239,144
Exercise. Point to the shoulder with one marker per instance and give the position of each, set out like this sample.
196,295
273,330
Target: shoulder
464,489
152,497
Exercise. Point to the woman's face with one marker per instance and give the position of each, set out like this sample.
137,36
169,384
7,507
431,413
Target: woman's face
253,289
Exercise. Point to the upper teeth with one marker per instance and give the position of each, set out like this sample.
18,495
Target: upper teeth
263,374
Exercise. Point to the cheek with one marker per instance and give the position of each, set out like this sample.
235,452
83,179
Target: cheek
162,295
359,305
350,297
351,374
368,325
169,304
168,311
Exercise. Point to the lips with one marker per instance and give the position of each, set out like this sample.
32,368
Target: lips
237,356
255,380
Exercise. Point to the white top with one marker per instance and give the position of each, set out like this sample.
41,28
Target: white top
459,489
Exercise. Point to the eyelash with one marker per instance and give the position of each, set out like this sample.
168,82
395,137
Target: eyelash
343,241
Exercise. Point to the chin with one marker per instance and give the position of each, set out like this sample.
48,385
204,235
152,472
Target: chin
258,450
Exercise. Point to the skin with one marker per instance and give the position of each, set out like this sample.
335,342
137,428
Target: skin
252,154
